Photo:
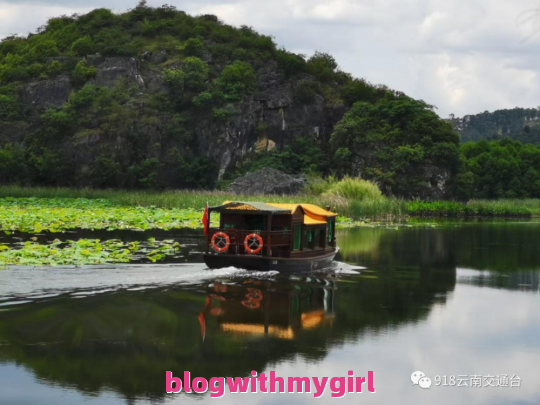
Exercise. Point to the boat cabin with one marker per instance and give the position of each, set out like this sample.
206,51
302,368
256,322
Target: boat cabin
272,230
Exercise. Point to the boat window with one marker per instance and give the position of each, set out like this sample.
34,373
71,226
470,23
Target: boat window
254,222
330,230
309,240
297,232
322,240
316,238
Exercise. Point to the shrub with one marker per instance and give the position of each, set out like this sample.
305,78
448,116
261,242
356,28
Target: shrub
236,80
194,47
175,79
44,49
83,46
354,189
202,99
196,73
105,172
322,65
290,62
145,174
358,90
12,163
53,68
9,108
223,113
83,72
35,70
239,54
306,90
317,185
86,96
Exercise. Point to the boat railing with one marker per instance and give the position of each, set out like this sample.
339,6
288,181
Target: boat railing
271,239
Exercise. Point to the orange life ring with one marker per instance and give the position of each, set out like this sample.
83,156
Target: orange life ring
254,294
251,241
251,304
220,242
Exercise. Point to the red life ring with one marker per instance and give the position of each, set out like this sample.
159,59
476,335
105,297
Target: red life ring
220,242
253,243
254,294
251,304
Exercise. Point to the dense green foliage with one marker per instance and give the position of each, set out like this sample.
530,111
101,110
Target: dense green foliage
471,209
501,169
208,69
520,124
150,140
394,142
62,47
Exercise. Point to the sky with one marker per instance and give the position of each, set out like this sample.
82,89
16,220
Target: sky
462,56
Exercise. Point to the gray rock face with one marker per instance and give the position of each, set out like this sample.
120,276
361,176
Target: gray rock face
271,117
44,93
267,181
111,69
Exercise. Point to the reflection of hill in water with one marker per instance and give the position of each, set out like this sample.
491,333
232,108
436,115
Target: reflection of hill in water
125,341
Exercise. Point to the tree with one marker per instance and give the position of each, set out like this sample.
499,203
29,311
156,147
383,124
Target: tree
399,143
83,72
194,46
236,80
196,73
322,65
83,46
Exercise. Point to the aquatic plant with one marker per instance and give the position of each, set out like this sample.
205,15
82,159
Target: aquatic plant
54,215
84,252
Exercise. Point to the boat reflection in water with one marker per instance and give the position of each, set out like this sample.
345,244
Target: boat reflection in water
268,308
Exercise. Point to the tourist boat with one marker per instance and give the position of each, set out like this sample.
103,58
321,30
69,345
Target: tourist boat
270,236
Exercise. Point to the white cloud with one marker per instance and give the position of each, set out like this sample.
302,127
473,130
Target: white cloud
464,56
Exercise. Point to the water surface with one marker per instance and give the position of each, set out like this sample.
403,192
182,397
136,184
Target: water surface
458,299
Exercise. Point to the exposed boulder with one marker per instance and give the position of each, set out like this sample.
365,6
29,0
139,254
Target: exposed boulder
267,181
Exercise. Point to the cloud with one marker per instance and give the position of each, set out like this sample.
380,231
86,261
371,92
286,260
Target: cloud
464,56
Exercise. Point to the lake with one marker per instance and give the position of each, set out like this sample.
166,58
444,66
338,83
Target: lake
458,301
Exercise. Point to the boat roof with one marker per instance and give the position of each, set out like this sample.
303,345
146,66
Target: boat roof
315,215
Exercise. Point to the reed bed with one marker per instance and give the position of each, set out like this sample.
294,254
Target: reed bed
349,201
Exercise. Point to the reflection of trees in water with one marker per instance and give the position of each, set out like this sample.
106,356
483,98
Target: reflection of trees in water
501,246
125,341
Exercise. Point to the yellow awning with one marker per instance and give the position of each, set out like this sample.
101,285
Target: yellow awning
314,215
312,221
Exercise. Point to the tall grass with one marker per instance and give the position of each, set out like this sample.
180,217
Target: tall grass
347,200
354,189
480,208
162,199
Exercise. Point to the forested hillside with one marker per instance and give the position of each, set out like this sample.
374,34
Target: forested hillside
156,98
520,124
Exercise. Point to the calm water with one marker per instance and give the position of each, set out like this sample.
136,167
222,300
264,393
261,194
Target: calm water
459,299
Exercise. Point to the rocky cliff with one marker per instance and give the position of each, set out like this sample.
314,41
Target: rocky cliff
268,118
155,98
521,124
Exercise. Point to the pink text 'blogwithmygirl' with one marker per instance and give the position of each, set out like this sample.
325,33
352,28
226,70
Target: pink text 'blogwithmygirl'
340,386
